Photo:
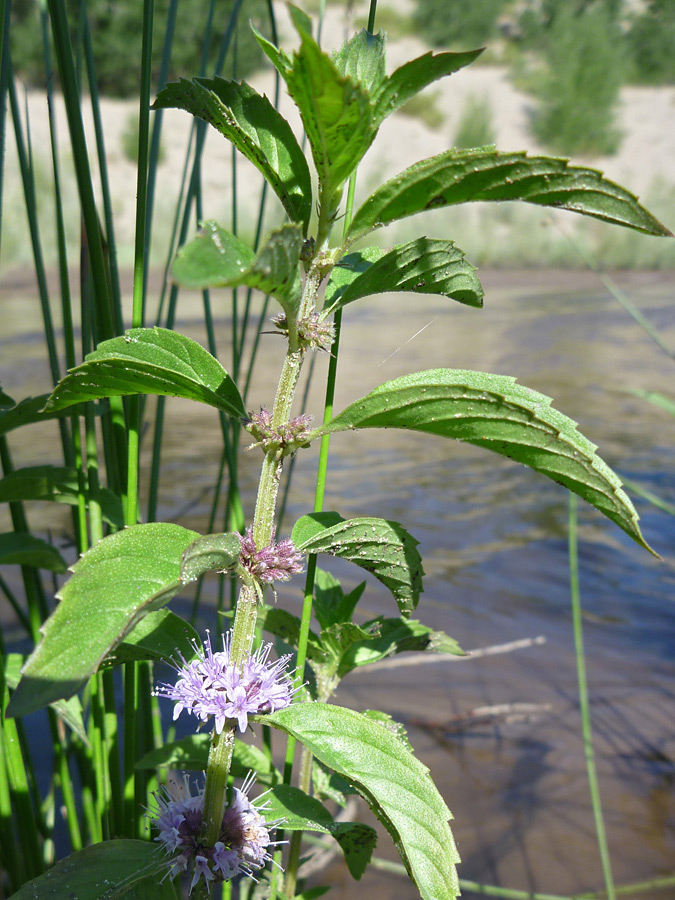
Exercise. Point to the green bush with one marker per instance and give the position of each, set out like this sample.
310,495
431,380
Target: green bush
651,43
475,127
469,23
578,87
425,108
116,38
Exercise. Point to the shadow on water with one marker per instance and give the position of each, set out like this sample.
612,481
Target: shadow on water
493,539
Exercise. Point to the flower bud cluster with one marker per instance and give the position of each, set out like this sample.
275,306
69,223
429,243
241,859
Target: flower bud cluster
313,334
284,439
243,844
276,562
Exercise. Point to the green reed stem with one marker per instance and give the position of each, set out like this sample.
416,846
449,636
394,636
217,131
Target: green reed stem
110,248
584,703
71,96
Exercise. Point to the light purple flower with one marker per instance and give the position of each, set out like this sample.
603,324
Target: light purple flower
212,685
276,562
243,844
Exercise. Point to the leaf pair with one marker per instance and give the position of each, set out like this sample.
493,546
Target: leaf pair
490,411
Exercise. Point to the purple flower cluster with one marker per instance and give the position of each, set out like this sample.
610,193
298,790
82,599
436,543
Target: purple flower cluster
243,841
276,562
213,685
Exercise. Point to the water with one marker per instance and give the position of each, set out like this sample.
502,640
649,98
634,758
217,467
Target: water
494,542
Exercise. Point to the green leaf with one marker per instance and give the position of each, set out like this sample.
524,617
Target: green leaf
397,636
303,813
6,402
495,412
348,270
103,871
256,129
422,266
69,711
339,638
60,485
417,74
460,176
150,361
362,59
22,549
389,722
213,260
336,112
279,58
396,785
381,547
29,411
210,553
114,584
328,785
160,635
331,604
191,754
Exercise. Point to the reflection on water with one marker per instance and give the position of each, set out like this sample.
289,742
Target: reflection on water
493,537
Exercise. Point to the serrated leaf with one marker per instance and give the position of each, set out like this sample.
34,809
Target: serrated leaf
23,549
495,412
215,259
397,636
361,58
422,266
210,553
417,74
256,129
160,635
336,112
379,546
104,871
461,176
191,754
60,485
114,584
303,813
396,785
150,361
69,711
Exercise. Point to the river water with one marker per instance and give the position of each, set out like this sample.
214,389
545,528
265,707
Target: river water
494,541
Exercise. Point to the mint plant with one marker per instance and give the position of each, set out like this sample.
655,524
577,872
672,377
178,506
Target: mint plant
112,606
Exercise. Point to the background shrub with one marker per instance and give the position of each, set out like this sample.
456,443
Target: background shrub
116,38
475,128
651,43
467,22
578,85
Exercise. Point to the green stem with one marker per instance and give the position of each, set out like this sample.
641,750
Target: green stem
218,770
584,703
